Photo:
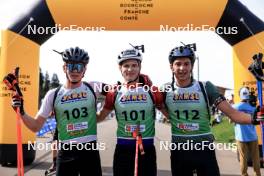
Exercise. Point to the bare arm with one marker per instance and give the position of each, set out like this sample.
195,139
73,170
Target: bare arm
233,114
102,114
164,112
33,124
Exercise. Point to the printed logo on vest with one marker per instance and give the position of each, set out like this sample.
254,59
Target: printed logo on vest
74,97
77,126
188,126
186,96
131,128
133,98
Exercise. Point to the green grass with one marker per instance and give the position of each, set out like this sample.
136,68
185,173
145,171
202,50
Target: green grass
224,132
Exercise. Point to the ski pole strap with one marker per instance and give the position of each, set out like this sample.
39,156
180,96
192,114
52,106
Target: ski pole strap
11,81
17,88
137,135
140,143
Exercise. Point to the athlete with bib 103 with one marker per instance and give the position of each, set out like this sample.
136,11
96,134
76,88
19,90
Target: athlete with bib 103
75,113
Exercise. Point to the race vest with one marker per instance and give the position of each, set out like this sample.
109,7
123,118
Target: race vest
75,112
133,108
188,111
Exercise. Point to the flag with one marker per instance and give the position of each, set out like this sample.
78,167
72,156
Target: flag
50,125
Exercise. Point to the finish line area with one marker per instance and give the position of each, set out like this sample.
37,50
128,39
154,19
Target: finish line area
227,159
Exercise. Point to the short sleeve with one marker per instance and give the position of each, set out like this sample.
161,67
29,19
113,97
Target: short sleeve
212,92
47,104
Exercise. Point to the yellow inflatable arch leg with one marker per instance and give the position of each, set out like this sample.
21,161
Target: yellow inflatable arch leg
20,49
247,42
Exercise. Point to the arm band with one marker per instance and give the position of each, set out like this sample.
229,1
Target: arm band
220,99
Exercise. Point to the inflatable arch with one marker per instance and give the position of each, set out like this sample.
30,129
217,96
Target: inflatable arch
20,48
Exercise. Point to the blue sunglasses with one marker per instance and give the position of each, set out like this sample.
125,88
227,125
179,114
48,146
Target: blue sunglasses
79,67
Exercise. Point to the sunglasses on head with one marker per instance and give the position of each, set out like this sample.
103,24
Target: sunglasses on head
79,67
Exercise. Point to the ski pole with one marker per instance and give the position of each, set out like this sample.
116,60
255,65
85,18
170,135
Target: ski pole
135,135
256,68
19,147
139,145
261,113
19,133
11,80
136,160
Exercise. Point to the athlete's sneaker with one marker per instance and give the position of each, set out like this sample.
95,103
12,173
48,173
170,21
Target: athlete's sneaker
51,170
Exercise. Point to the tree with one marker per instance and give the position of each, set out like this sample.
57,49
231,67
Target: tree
41,81
55,82
46,84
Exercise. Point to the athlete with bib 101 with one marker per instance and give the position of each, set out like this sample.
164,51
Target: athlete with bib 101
134,102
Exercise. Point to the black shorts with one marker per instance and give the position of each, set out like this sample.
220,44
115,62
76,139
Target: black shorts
78,162
124,161
185,162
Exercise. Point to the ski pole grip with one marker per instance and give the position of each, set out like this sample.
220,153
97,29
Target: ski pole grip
261,113
18,90
16,71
